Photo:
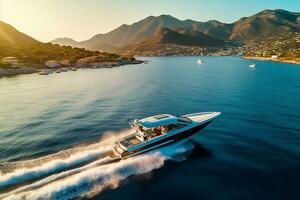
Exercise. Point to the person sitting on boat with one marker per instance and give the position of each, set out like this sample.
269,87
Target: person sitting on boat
159,130
164,129
152,135
155,132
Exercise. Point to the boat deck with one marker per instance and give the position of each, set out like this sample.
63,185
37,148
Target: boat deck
130,141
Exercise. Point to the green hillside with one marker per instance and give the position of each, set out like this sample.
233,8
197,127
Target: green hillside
30,51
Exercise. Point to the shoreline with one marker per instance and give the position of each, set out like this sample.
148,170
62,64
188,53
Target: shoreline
270,59
11,72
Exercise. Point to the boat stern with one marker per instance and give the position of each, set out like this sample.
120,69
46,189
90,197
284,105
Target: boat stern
117,150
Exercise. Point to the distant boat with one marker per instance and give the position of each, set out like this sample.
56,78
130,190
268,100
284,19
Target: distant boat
253,65
73,69
44,72
199,62
58,71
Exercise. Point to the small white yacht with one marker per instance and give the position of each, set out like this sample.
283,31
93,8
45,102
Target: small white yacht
253,65
44,72
199,61
64,69
160,130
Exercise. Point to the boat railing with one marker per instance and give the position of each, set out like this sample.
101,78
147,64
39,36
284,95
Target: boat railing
194,114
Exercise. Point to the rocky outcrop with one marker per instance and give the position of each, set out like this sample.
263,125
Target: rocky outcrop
16,71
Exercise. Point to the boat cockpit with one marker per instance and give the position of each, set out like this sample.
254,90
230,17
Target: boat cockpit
146,133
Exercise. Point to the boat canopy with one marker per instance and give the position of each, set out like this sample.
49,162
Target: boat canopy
154,121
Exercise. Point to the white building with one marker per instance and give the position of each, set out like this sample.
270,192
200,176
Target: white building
274,56
10,59
65,62
13,61
52,63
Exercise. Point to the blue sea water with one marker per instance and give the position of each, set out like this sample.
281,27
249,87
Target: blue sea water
52,125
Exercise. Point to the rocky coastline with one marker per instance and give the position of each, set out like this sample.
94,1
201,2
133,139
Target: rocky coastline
44,70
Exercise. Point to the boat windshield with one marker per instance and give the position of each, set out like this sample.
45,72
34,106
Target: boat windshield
184,120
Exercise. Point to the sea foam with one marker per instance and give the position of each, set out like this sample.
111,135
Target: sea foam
18,172
93,178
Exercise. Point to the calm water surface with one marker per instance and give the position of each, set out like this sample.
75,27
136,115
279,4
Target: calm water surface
252,151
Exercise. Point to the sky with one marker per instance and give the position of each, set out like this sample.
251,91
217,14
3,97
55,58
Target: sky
46,20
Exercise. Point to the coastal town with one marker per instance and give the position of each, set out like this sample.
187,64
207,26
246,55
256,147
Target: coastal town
285,48
282,49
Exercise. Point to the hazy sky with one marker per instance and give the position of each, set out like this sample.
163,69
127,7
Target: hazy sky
81,19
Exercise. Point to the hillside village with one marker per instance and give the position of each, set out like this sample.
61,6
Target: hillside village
285,48
282,48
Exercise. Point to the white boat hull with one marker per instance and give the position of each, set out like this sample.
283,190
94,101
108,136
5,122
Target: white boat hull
200,121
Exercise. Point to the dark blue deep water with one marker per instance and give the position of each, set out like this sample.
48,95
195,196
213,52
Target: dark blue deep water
50,125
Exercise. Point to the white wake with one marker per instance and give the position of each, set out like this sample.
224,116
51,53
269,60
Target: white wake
18,172
94,177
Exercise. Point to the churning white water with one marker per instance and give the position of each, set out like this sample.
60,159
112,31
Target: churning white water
55,178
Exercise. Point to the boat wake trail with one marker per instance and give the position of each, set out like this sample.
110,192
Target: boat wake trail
13,173
92,178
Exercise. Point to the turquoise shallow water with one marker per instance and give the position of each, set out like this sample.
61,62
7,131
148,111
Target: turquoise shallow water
252,151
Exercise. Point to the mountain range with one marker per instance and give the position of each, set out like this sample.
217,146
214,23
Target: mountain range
166,36
165,29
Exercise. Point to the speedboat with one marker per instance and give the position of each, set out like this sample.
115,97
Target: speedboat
159,130
253,65
44,72
199,62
